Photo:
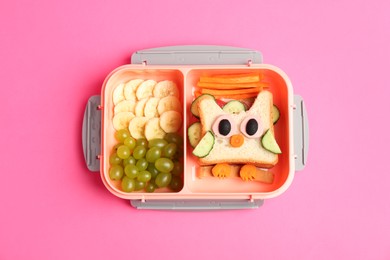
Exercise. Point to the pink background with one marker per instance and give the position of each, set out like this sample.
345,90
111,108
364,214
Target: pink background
54,55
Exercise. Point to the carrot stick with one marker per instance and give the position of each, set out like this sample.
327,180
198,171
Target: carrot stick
251,173
233,75
220,92
232,78
238,96
230,86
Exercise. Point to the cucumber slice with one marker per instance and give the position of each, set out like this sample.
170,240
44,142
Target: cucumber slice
194,133
194,104
269,143
205,145
234,107
275,114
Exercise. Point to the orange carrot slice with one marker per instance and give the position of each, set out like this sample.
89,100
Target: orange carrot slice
231,78
236,140
221,170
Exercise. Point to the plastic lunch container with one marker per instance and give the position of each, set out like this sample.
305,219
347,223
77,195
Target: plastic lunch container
184,65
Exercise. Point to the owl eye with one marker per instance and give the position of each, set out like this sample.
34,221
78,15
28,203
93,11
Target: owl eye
224,126
251,127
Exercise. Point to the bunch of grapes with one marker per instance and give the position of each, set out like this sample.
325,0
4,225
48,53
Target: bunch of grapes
147,165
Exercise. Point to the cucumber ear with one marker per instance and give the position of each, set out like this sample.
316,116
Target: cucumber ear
205,145
269,142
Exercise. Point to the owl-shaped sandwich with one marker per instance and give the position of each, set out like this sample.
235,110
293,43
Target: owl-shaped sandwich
237,138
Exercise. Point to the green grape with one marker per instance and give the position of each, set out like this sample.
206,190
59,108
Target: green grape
153,181
139,185
164,165
151,187
179,153
115,148
142,164
152,169
129,160
128,185
157,143
123,152
116,172
153,154
177,168
176,183
174,138
114,159
142,142
144,176
122,134
139,152
169,150
131,171
130,142
163,179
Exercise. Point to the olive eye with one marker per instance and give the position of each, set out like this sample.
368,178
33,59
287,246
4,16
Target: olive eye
224,126
251,127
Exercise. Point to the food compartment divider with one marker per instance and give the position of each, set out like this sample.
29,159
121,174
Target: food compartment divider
196,55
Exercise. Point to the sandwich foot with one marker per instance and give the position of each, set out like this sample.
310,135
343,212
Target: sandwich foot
248,172
221,170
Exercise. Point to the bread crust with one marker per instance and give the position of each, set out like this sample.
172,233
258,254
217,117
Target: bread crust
267,165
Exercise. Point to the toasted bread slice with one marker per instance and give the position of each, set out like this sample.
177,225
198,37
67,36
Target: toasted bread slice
252,151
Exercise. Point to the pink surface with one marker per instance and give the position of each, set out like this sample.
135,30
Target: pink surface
55,55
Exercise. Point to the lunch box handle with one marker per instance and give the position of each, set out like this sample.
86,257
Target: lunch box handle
91,133
196,55
301,133
195,205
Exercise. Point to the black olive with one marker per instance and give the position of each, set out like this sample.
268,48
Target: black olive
224,127
251,127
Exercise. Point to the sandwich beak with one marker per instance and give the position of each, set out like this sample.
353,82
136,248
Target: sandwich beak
237,140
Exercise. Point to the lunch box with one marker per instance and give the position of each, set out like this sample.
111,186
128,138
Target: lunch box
184,65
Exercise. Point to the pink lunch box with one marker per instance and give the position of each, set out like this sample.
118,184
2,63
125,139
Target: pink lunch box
184,65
